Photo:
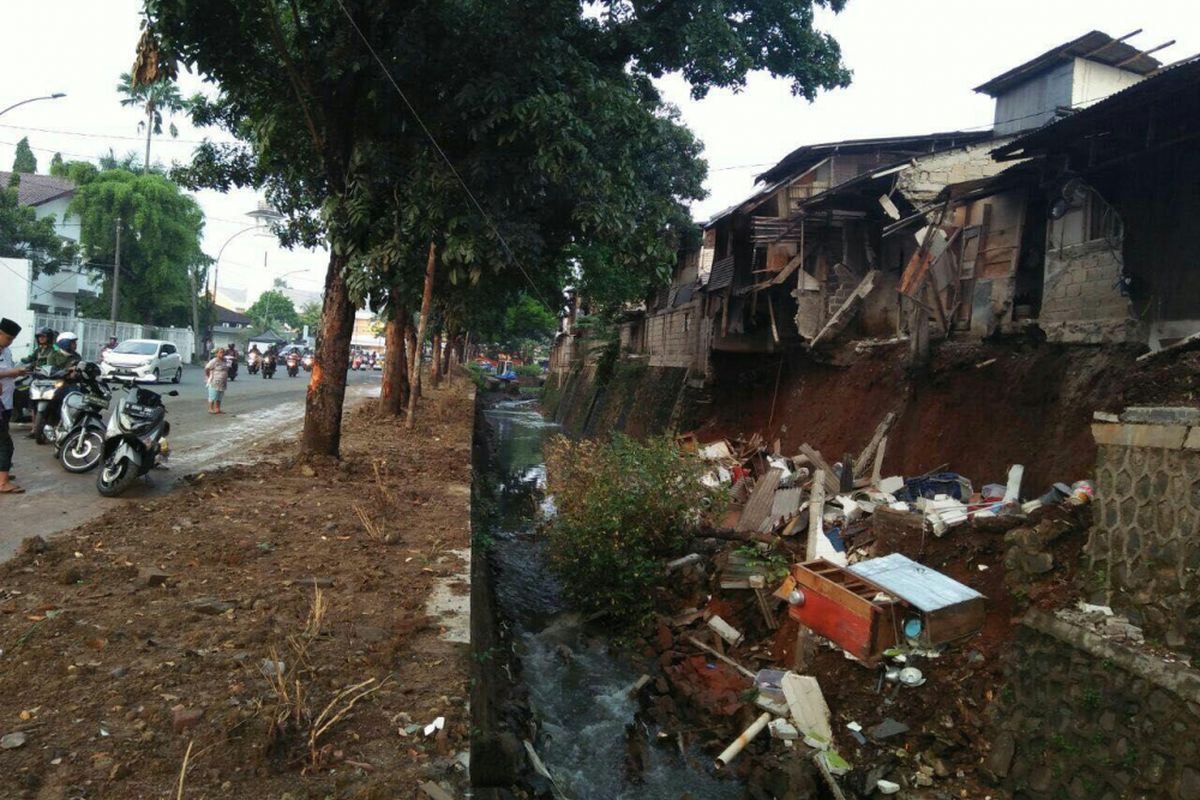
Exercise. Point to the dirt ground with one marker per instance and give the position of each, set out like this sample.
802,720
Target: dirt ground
252,624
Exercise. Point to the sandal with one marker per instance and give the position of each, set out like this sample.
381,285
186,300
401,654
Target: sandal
11,488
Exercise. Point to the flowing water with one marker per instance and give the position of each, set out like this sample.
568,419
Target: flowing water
582,702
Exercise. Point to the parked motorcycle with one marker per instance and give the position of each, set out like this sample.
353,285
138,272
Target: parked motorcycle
79,433
253,360
268,366
136,439
307,361
44,383
293,364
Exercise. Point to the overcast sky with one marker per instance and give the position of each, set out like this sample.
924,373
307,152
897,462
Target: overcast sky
915,63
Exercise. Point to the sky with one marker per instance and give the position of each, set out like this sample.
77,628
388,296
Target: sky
914,65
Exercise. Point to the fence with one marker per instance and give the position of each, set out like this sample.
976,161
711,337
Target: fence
94,333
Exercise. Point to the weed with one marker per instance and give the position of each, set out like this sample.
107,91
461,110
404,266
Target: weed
1090,699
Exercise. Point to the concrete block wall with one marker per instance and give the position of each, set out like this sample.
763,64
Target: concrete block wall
1080,301
1144,550
930,174
1082,717
678,338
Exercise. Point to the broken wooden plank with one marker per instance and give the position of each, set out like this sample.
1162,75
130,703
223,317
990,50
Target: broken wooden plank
845,312
759,507
814,457
1186,343
868,453
764,605
721,657
816,511
877,469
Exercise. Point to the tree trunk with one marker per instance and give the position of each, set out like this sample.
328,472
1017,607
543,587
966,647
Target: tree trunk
327,387
445,371
435,366
414,378
460,348
393,397
149,133
410,336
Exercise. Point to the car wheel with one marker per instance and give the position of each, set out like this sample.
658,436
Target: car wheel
154,375
178,375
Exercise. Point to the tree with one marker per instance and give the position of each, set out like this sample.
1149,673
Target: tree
161,230
25,161
23,235
273,306
310,314
527,323
323,130
56,164
154,98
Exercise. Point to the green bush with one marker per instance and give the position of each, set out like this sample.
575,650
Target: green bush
529,371
624,507
477,375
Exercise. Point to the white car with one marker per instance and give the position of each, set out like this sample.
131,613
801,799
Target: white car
143,360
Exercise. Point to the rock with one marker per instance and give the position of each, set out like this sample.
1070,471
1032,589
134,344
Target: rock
888,728
307,471
211,606
330,527
118,672
70,576
564,653
999,760
184,719
1038,563
152,576
33,545
12,741
1189,784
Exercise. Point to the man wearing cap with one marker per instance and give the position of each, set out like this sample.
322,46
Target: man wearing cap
8,379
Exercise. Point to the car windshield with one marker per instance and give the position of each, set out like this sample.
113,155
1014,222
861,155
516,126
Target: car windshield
137,348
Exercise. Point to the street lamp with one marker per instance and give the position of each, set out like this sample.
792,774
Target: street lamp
54,96
262,216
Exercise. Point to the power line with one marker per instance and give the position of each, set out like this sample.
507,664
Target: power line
89,135
433,141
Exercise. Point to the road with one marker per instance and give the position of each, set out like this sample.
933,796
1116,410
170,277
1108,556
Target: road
256,410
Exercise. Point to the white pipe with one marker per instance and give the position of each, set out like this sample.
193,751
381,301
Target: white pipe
739,744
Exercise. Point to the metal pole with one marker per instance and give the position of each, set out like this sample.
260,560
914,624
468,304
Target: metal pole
116,284
54,96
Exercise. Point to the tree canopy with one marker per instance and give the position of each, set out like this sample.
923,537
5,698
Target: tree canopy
24,161
154,98
271,307
161,230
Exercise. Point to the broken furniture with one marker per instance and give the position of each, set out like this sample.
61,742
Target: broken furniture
939,608
842,607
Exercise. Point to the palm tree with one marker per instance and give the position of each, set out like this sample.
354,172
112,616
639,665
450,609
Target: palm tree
157,97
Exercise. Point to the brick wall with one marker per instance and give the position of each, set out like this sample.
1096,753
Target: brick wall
1143,548
924,180
678,338
1080,301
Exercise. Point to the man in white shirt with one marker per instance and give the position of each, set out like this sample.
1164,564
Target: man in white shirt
8,380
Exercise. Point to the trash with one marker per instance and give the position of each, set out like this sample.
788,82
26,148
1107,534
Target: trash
776,707
888,728
886,787
807,704
1082,492
1056,494
770,683
891,485
840,606
435,726
782,729
944,512
911,676
731,752
685,561
856,732
717,451
12,741
1088,608
720,657
830,764
1012,491
726,631
435,792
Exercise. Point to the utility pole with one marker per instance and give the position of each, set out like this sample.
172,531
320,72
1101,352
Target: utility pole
116,284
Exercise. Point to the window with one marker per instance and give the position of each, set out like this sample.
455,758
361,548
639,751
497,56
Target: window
168,349
687,321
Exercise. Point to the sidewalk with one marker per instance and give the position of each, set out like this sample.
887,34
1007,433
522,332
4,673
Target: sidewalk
270,617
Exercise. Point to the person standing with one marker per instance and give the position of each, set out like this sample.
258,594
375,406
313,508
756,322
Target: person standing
216,377
9,331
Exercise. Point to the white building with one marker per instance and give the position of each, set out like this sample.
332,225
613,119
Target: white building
48,293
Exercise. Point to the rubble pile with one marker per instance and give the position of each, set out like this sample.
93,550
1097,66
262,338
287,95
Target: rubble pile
816,636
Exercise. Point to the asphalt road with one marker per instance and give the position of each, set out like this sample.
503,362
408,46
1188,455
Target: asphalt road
255,410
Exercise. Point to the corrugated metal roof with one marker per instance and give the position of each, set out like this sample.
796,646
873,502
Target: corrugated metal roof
1094,46
722,274
922,587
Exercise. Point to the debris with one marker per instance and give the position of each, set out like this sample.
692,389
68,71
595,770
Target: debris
891,485
184,719
887,729
152,576
830,764
719,656
868,455
777,707
886,787
12,741
725,630
731,752
944,512
271,668
782,729
211,606
911,676
1012,491
947,608
758,509
435,726
685,561
807,704
842,607
435,792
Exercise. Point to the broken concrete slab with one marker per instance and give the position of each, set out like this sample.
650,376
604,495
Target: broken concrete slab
1162,415
1167,437
807,704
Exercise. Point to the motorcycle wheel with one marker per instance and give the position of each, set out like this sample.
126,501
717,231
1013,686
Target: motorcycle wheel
39,427
82,450
114,479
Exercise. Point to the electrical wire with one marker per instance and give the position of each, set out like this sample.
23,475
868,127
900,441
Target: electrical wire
438,148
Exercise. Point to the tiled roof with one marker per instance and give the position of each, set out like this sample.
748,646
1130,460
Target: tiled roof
34,190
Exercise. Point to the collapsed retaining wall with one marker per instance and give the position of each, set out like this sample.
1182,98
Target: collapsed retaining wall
1086,718
628,396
